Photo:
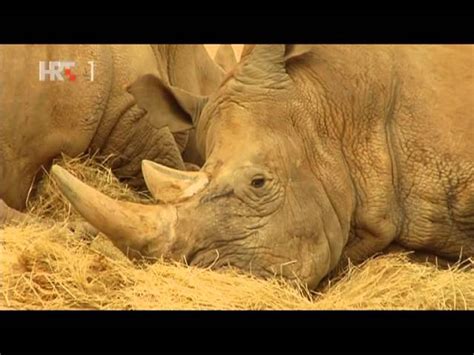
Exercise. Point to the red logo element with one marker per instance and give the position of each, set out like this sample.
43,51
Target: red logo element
70,75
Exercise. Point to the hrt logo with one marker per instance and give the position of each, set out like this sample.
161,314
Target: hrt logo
55,70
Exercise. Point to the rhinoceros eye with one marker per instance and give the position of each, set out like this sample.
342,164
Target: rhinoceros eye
258,182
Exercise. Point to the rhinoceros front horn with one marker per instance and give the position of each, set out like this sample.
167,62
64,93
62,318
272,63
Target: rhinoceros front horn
171,185
134,228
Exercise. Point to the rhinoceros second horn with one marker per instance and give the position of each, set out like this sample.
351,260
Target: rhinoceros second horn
169,185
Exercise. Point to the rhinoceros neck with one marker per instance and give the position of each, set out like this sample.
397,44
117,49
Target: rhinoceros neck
403,118
434,140
354,106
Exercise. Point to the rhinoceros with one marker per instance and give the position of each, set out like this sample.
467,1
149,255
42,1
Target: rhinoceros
313,155
95,111
225,57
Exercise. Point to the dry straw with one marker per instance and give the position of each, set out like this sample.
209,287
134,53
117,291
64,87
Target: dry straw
46,266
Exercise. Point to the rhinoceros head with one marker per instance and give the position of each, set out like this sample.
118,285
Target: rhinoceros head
270,199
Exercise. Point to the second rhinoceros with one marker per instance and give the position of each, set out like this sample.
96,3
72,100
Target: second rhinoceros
314,154
104,108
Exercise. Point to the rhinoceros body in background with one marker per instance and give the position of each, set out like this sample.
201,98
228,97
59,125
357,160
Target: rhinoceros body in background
313,154
41,119
225,57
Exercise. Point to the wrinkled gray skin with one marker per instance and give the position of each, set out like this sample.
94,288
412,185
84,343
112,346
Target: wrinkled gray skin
40,120
315,154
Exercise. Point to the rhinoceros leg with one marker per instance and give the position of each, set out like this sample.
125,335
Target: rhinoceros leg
361,246
10,215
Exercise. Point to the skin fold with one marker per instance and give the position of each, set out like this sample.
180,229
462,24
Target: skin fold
313,155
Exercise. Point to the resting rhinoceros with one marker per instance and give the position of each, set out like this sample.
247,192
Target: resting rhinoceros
314,154
39,119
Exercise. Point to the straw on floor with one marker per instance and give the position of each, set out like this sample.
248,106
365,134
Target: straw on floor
44,265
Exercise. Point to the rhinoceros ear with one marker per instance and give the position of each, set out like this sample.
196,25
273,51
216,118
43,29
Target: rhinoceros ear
248,48
265,64
166,105
225,57
296,50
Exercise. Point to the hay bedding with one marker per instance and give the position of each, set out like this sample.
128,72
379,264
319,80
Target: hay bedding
46,266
